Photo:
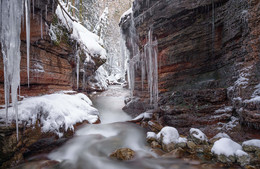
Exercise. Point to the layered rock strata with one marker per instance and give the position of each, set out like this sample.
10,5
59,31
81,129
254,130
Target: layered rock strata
208,57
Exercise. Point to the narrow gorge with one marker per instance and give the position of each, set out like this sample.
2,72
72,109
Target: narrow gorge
126,84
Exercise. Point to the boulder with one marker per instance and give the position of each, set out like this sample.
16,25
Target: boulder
251,145
198,136
123,154
155,144
242,157
225,150
168,137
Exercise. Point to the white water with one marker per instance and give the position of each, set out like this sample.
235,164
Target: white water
11,13
93,144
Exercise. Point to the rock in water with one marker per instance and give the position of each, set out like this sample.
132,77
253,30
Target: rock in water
123,154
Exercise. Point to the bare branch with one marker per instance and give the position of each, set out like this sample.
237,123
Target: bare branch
65,11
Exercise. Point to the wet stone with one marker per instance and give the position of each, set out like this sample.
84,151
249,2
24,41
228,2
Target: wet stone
155,144
123,154
243,160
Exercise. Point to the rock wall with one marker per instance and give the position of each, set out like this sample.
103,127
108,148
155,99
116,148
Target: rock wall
52,63
208,57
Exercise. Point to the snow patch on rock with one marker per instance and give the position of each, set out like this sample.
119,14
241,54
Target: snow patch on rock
198,134
253,142
168,135
55,111
225,146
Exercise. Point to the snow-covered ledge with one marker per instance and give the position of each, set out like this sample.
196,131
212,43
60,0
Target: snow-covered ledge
56,113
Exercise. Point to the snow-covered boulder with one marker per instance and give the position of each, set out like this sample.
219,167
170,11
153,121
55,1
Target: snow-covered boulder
151,136
251,145
168,137
242,157
218,136
198,136
225,149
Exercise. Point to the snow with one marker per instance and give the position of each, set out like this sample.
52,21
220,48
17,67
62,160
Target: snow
225,109
253,142
225,146
221,135
55,111
81,34
182,140
151,135
257,91
198,134
145,115
230,125
169,135
126,13
101,77
240,153
253,100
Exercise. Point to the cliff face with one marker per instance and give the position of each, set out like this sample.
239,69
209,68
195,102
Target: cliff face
208,59
52,62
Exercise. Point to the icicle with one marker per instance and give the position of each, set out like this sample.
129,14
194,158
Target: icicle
11,15
77,59
27,14
46,12
213,27
52,6
41,26
46,27
33,8
150,55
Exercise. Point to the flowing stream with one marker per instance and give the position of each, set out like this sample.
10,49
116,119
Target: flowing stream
92,144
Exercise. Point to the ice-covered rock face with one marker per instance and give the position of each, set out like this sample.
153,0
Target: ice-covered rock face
189,67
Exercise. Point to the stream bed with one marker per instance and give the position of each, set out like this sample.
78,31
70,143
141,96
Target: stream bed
92,144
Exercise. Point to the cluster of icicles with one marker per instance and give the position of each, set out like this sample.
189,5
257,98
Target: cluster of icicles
12,15
147,61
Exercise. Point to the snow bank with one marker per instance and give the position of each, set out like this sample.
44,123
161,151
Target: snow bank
225,146
168,135
55,111
79,33
198,134
253,142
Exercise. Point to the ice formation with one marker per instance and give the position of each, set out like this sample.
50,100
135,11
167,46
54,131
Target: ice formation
27,14
11,13
146,61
